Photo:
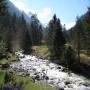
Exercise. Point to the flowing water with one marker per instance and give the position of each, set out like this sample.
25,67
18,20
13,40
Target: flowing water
50,73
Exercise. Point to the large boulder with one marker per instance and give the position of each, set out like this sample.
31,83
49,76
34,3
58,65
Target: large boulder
67,82
5,66
3,55
37,77
60,88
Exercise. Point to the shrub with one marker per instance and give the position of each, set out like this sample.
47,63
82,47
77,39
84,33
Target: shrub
69,56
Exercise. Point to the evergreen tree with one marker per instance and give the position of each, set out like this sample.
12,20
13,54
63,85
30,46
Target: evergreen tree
69,56
8,78
36,31
9,41
88,31
27,43
56,39
78,39
3,7
59,40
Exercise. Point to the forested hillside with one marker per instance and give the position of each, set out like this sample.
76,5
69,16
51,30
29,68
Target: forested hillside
14,25
36,56
80,33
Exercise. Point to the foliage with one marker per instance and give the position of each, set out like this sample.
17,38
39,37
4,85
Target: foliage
2,74
36,31
80,33
3,7
69,56
10,58
2,47
27,43
24,83
55,40
8,78
13,30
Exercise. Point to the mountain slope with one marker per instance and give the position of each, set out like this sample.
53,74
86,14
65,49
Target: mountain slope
82,28
12,9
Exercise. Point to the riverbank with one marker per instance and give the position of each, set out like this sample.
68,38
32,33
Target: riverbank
47,72
27,82
41,51
24,82
82,68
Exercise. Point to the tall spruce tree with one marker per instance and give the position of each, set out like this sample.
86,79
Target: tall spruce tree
3,7
88,31
9,40
36,31
79,27
27,43
56,39
59,40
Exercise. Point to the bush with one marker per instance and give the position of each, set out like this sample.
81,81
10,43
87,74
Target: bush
69,56
8,77
3,55
6,65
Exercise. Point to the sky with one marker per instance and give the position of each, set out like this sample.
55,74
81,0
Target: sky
66,10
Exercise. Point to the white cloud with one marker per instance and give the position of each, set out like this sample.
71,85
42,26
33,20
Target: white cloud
21,5
69,25
18,4
45,15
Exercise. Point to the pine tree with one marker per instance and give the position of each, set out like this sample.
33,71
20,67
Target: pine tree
88,31
9,40
78,39
27,43
56,39
59,40
69,56
3,7
36,31
25,36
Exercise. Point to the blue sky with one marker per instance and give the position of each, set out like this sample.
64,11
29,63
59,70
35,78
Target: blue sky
66,10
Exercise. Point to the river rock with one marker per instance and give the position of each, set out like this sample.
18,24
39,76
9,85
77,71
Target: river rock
61,88
67,82
37,77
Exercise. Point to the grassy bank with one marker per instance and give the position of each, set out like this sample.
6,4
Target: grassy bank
11,58
41,51
2,74
28,83
85,58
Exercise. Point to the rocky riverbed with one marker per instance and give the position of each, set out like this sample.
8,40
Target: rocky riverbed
48,72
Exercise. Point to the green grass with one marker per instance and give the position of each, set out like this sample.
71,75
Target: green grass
41,51
2,77
28,83
11,59
84,58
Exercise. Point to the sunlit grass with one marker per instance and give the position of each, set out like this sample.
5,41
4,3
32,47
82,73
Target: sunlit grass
41,51
10,59
2,73
28,83
84,58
